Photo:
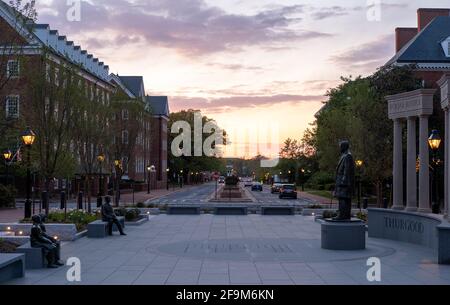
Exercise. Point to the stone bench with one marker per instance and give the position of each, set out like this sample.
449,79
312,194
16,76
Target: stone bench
230,210
99,228
12,266
183,210
34,257
275,210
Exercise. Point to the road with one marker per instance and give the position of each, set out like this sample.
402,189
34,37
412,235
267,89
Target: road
202,193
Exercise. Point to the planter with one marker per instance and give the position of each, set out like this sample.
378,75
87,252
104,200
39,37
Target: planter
65,232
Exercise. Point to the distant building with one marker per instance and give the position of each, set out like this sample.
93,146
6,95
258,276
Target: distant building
159,108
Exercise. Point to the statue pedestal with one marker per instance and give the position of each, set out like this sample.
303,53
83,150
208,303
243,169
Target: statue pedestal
343,235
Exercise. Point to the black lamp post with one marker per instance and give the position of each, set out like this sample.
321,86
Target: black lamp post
100,159
7,155
28,137
434,141
118,173
359,164
167,177
150,169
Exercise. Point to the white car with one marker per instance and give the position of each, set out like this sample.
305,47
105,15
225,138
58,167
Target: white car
248,182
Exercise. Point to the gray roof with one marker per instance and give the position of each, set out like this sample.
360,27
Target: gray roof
426,46
159,105
134,84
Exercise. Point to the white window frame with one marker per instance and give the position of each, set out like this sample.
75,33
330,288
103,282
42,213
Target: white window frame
125,114
8,69
7,106
125,136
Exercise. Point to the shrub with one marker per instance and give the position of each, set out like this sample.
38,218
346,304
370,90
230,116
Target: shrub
120,211
321,181
7,196
140,205
7,246
132,214
329,214
314,206
362,216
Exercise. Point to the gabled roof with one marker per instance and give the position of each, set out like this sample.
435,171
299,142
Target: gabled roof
135,84
159,105
426,46
118,81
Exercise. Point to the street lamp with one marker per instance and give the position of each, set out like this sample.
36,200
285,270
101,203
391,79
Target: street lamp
167,177
7,155
101,159
150,169
118,167
434,141
359,163
28,137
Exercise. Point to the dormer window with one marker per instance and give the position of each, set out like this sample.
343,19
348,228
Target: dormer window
446,46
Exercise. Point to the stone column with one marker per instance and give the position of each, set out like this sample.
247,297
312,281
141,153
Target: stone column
446,162
411,174
398,166
424,172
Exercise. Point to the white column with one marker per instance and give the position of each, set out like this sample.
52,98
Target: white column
398,166
446,162
424,172
411,174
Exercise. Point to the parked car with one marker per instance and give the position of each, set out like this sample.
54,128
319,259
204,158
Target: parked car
221,180
256,186
288,191
276,187
248,182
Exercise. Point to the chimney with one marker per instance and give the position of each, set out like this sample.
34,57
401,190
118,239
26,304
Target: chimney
403,36
426,15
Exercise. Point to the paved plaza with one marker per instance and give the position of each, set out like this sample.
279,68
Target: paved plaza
222,250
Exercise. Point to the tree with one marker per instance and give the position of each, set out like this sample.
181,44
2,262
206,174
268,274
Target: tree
53,94
190,163
356,110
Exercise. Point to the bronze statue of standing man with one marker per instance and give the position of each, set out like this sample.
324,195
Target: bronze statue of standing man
345,182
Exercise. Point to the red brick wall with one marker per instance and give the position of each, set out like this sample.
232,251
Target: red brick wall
426,15
403,36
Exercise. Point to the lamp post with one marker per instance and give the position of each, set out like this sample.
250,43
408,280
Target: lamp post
434,141
303,179
28,137
167,177
7,155
150,169
359,164
118,167
100,159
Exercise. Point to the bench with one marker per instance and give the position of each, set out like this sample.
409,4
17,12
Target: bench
183,210
34,257
99,228
277,210
231,210
12,266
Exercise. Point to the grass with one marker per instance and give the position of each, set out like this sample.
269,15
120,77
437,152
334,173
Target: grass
322,193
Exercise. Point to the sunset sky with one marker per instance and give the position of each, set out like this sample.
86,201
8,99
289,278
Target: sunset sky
244,63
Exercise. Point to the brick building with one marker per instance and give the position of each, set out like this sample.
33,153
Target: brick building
426,46
39,45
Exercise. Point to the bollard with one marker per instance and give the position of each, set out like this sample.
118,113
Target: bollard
365,203
80,201
63,200
99,201
44,199
385,203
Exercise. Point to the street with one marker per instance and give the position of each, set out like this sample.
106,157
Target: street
202,193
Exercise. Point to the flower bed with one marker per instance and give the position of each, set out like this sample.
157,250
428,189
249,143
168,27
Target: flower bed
79,218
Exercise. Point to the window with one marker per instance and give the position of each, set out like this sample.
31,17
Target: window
125,114
56,77
125,137
13,69
12,106
446,46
